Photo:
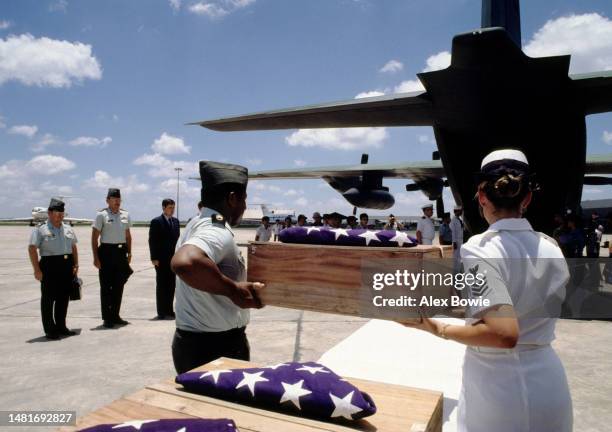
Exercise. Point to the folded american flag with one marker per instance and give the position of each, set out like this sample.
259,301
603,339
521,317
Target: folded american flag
346,237
309,389
168,425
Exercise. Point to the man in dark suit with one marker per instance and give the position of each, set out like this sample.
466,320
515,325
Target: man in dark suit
163,235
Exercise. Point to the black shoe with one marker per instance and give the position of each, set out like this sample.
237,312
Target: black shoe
121,322
169,317
66,332
159,317
52,336
108,324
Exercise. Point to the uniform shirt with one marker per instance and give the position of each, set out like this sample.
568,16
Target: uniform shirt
112,226
523,268
199,311
426,226
53,241
456,226
264,233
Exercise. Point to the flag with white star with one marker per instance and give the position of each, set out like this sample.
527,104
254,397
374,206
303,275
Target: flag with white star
346,237
168,425
308,389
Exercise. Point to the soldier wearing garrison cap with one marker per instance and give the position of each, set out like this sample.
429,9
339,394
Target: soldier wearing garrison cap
111,244
425,231
457,228
57,267
212,295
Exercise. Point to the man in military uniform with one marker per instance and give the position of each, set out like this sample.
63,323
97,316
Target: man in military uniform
112,256
58,265
212,295
425,231
457,228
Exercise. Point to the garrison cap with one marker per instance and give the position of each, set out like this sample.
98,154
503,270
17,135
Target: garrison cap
316,215
215,173
56,204
337,215
113,193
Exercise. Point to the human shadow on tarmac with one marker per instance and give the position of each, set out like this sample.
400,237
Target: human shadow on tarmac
46,339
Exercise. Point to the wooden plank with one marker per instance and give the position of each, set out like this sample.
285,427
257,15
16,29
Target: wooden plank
338,279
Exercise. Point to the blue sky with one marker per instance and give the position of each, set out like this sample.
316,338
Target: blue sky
96,93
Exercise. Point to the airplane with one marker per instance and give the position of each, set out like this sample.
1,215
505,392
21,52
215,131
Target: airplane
254,212
39,216
491,96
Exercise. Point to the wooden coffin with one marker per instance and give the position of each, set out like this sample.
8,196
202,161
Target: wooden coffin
338,279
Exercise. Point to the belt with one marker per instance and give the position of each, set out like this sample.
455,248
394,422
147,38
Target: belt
518,348
114,245
231,332
56,257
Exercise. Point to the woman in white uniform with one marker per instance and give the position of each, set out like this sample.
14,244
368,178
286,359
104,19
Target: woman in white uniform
512,378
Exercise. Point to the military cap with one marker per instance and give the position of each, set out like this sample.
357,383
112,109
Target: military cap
458,207
337,215
500,162
316,215
113,193
56,204
426,206
215,173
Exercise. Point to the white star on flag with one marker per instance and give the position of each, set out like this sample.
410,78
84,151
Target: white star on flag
136,424
250,379
312,229
369,236
340,232
276,366
183,429
215,374
293,392
400,238
312,369
344,407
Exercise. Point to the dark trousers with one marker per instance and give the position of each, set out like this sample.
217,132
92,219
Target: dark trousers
164,291
55,291
113,275
190,350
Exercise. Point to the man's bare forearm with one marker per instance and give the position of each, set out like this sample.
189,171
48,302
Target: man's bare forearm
95,234
34,257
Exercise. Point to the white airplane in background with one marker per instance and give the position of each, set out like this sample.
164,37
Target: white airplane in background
39,215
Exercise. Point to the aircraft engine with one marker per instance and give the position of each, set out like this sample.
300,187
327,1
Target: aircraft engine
379,199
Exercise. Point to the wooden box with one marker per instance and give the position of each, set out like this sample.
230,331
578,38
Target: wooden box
338,279
399,408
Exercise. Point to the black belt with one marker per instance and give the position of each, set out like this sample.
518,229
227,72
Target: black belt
231,332
114,245
56,257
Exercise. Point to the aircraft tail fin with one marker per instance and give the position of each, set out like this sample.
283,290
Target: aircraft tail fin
503,13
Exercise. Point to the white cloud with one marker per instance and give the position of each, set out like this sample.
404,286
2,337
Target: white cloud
607,137
115,118
392,66
46,62
49,164
339,139
302,202
218,8
273,188
587,37
164,167
299,163
5,24
175,5
437,61
2,123
371,93
291,192
426,139
168,144
86,141
103,180
58,6
24,130
45,141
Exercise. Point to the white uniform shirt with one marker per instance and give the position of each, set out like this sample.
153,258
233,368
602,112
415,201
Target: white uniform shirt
524,268
199,311
264,233
112,226
457,231
428,232
53,241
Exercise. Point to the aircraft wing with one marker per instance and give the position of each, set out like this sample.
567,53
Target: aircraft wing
599,164
400,109
395,170
17,220
70,219
595,91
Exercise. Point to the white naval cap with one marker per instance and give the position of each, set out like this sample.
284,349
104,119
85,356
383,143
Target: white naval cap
458,207
505,160
426,206
505,154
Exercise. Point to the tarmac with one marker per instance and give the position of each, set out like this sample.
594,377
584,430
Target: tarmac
99,365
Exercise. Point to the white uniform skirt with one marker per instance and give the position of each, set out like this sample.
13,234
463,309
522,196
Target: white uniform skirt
520,390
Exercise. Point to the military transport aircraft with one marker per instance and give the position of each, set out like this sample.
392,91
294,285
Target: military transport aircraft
491,96
39,215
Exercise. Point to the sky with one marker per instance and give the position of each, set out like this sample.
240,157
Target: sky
97,94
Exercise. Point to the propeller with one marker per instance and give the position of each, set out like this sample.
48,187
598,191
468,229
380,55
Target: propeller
597,180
